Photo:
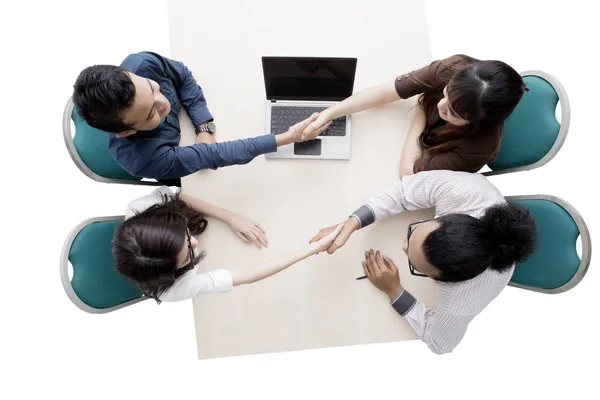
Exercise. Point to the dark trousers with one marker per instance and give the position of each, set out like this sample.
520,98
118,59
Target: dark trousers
170,182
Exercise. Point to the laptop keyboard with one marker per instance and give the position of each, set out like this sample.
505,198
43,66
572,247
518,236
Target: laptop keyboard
284,117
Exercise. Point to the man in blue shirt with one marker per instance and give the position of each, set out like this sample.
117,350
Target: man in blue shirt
139,104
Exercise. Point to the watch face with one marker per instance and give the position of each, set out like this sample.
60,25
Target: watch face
212,128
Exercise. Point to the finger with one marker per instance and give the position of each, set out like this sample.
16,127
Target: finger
304,124
339,241
373,262
323,128
370,271
366,270
243,238
260,236
322,233
315,130
308,130
380,264
334,246
317,237
252,237
336,232
389,263
259,226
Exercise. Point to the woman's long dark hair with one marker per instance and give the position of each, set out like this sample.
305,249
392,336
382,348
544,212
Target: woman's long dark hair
145,247
482,92
462,247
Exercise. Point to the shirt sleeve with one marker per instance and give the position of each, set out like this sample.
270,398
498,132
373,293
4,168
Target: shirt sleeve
191,285
442,332
417,81
442,190
143,203
176,162
189,92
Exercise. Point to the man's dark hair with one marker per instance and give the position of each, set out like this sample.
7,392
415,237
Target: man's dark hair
462,247
101,93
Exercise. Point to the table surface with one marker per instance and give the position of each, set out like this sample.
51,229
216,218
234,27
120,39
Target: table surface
317,302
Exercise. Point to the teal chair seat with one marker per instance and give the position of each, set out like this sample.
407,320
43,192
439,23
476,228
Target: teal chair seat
89,150
555,266
96,286
532,135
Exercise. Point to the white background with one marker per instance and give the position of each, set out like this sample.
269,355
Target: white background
524,344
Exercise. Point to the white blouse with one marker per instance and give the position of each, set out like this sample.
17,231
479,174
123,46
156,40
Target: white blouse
191,283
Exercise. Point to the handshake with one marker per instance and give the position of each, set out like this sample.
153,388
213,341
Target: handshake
334,237
379,269
305,130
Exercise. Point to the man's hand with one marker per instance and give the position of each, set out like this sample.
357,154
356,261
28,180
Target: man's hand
348,228
382,272
324,243
294,133
205,137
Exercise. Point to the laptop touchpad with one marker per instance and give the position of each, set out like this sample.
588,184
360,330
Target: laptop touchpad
308,148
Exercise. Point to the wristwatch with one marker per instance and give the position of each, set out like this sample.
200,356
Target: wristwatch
209,127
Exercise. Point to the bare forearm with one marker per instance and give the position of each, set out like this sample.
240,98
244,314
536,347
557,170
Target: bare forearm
411,151
205,208
283,139
271,268
363,100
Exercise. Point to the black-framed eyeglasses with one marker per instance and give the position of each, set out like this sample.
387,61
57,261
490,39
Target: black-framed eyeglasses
408,234
190,266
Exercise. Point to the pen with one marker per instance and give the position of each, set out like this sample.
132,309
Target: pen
362,277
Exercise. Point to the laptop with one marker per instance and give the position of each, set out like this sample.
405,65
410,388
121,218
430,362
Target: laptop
297,87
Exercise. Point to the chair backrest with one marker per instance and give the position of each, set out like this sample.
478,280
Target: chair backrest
532,135
89,150
555,266
96,286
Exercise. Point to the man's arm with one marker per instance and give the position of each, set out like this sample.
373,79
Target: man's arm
176,162
445,190
441,332
392,200
189,92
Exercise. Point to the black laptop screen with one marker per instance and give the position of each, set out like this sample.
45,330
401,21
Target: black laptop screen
322,79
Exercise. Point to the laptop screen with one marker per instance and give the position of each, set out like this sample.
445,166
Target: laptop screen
309,78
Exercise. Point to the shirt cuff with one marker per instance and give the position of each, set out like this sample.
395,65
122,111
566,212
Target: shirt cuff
266,143
200,116
222,279
364,215
403,303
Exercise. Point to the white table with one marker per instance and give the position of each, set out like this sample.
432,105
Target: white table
318,302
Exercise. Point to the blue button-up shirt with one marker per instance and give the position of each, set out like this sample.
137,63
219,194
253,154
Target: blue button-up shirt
156,153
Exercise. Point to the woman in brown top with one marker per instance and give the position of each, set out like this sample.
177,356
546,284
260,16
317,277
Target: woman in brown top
458,125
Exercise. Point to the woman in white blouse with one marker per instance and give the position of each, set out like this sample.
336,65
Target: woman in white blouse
155,247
